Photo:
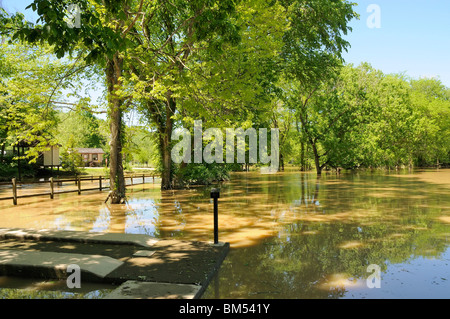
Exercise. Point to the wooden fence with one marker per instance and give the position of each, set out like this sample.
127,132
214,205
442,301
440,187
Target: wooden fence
135,180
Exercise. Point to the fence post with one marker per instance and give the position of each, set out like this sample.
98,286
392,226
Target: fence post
51,188
79,186
14,188
131,179
100,182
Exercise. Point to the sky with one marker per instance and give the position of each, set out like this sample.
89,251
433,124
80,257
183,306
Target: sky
407,36
414,37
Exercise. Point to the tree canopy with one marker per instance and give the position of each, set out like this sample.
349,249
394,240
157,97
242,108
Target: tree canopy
248,64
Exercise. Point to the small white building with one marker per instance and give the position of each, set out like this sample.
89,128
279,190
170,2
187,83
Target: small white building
51,157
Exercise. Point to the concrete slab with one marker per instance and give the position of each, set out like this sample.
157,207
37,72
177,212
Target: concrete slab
144,253
174,261
14,261
161,268
154,290
79,236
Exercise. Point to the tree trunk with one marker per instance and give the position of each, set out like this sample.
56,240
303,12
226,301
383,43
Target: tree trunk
19,166
2,152
166,174
317,159
282,162
302,156
165,140
117,181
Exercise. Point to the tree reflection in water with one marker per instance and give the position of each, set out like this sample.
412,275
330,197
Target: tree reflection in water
292,235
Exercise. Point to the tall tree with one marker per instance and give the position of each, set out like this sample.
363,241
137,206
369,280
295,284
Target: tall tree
83,127
236,87
431,99
312,55
101,37
28,88
169,35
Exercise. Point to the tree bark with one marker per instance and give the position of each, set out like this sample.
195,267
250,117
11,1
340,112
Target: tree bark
2,152
302,156
165,126
19,166
166,174
117,181
316,159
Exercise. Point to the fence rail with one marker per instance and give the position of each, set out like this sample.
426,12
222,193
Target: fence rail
134,181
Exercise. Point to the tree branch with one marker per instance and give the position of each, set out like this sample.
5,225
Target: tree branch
134,20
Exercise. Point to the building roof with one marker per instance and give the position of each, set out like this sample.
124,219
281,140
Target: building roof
90,151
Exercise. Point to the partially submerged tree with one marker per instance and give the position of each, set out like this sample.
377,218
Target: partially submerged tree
149,42
312,55
169,36
101,37
431,99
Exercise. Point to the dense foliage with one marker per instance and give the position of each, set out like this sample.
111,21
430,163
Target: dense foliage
364,118
250,64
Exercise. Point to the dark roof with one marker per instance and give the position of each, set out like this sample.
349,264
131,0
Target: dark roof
90,151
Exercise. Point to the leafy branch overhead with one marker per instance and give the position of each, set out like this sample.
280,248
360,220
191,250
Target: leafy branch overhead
250,64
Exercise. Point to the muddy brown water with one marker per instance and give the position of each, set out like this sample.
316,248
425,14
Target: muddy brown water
292,235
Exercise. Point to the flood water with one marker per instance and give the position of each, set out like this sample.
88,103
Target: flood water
292,235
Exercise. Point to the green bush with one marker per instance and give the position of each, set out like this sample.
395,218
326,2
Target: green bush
202,174
71,161
7,171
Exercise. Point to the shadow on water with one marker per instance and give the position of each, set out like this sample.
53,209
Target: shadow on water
292,235
342,224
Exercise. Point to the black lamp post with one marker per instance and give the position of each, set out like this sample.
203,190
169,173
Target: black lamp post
215,194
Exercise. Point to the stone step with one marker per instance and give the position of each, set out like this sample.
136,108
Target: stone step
153,268
154,290
78,236
43,264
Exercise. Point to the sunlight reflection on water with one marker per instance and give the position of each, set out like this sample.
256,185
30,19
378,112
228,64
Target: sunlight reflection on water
292,235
